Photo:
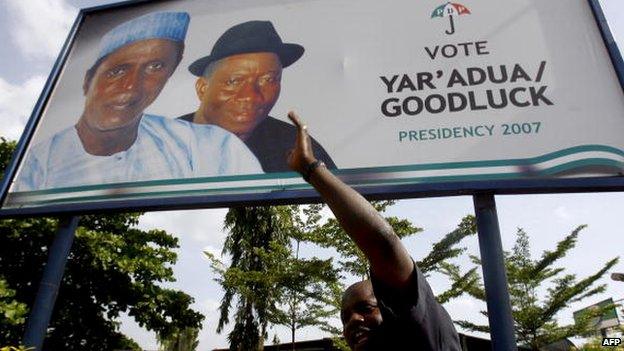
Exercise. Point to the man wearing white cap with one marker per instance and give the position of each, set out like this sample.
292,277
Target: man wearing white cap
114,141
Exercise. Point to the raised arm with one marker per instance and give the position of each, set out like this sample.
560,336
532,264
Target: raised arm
389,260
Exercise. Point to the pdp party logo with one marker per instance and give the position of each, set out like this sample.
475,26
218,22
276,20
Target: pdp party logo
450,10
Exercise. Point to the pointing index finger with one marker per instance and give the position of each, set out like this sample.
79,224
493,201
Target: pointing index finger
296,120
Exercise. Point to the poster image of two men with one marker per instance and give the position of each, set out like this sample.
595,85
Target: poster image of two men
115,141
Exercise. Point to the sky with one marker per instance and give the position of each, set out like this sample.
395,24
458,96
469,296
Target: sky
31,35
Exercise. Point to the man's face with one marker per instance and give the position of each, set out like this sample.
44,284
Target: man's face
360,315
240,92
128,81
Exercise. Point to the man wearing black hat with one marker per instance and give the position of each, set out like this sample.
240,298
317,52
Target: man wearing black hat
238,84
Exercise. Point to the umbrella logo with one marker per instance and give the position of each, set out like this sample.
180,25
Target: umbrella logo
449,10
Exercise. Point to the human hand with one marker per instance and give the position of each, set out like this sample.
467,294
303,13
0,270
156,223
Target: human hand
301,156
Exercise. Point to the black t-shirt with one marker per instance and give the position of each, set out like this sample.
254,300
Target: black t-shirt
413,320
271,141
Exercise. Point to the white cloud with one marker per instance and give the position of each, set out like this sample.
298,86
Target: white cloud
201,226
16,104
563,213
39,27
463,302
209,306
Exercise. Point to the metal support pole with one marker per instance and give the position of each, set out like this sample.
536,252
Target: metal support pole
48,287
494,274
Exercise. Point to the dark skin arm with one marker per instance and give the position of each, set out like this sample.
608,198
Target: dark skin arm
389,260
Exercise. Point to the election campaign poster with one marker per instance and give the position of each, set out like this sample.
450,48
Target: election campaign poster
165,100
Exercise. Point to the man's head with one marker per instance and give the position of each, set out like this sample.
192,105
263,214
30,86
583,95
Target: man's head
238,92
135,61
360,315
240,81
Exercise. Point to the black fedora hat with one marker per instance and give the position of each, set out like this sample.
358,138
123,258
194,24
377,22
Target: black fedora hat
248,37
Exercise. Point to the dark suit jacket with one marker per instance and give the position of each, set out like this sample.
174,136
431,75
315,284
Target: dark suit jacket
271,141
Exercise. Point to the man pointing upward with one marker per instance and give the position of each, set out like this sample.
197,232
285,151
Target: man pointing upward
395,309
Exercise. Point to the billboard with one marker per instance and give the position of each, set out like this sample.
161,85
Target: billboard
606,320
183,103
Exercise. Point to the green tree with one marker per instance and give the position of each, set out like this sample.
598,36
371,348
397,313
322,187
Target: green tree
271,283
331,235
113,268
302,292
352,260
12,311
534,313
255,244
180,340
7,147
310,287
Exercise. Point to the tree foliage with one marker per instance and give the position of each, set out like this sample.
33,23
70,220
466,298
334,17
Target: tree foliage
113,268
180,340
7,147
352,260
274,285
253,233
265,279
12,311
534,306
311,290
331,235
